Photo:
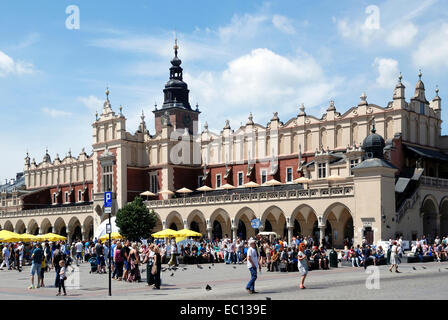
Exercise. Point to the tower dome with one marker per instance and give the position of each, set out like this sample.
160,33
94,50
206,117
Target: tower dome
373,144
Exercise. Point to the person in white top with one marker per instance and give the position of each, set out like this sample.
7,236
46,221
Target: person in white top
252,264
21,252
78,246
5,254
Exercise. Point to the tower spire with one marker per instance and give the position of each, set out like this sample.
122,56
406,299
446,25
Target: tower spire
176,47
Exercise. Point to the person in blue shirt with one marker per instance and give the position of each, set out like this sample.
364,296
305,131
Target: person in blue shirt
36,257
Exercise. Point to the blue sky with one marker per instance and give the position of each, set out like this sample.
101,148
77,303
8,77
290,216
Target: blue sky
238,57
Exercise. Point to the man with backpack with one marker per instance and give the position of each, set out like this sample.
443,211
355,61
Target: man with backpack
58,255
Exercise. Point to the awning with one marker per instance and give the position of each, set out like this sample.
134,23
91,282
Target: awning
428,153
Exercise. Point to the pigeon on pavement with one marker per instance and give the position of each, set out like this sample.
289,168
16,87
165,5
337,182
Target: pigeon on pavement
208,288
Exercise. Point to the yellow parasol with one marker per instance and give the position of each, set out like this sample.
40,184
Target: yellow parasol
167,233
188,233
50,237
113,236
8,236
27,237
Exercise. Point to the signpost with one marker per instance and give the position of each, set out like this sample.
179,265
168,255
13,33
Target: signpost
108,209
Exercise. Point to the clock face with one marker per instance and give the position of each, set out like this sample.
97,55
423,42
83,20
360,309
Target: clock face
187,119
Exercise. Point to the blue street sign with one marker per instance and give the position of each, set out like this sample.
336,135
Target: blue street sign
108,199
255,223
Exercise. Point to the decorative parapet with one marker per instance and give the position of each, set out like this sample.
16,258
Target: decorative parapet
330,192
434,182
48,211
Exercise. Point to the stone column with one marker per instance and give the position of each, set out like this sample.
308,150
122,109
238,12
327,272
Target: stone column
164,224
234,230
290,230
69,236
186,224
321,234
209,233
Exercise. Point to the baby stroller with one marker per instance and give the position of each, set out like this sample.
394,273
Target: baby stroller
93,264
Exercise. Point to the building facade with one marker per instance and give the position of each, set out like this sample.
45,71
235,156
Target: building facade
371,172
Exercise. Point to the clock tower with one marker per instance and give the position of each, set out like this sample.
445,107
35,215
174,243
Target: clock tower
176,102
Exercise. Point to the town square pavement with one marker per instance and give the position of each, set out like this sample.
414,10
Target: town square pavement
417,281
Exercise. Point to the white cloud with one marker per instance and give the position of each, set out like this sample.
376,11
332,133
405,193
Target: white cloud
283,24
387,72
259,81
91,102
9,66
432,51
403,35
246,26
55,113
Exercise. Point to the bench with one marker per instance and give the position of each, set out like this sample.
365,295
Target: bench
413,259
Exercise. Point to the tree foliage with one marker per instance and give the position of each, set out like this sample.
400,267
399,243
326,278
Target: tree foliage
135,221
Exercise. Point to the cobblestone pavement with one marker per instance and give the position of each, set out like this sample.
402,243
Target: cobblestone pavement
417,281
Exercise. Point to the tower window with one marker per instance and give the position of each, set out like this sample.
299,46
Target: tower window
264,174
153,183
288,174
240,179
422,108
107,178
353,163
79,195
218,180
322,170
200,181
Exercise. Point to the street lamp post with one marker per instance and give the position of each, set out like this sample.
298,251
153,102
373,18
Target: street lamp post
108,209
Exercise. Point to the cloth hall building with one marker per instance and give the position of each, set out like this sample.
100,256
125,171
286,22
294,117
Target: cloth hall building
372,172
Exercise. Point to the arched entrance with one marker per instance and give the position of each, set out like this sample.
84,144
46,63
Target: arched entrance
221,225
242,221
444,218
430,217
241,232
217,230
339,225
45,226
304,219
20,227
174,221
8,226
33,227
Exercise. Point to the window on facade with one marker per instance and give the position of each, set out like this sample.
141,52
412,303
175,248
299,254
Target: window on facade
107,178
200,181
153,183
66,196
54,198
79,195
218,180
322,170
14,201
3,203
264,176
240,179
288,174
353,163
422,108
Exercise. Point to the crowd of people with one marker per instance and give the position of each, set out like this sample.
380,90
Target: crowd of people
128,259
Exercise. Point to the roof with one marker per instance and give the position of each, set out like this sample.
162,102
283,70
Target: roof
18,184
374,163
428,153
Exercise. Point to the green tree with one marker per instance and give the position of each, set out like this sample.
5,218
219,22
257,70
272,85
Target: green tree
135,221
